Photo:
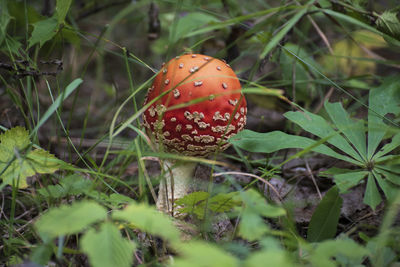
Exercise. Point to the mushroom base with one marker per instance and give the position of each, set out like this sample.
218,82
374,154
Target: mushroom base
176,184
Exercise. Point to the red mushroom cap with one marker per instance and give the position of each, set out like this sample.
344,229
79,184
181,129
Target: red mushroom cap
201,108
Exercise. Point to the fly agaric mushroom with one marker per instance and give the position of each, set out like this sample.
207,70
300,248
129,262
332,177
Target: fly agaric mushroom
199,107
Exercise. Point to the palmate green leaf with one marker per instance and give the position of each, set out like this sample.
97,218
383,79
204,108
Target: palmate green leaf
354,131
388,189
276,140
347,180
382,100
324,221
107,247
148,219
387,148
326,251
17,161
201,254
372,197
69,219
252,226
319,126
392,177
43,31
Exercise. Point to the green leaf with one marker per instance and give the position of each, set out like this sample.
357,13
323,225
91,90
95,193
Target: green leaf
319,126
148,219
272,257
41,254
107,247
69,219
372,196
195,203
200,254
347,180
189,23
388,189
326,251
43,31
276,140
191,203
73,184
62,7
18,162
223,202
362,25
387,148
57,103
388,23
324,221
4,20
288,26
382,100
252,226
15,138
392,177
354,131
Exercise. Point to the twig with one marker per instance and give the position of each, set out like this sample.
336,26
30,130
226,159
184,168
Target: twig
313,178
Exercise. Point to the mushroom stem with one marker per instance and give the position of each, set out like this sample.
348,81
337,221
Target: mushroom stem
175,184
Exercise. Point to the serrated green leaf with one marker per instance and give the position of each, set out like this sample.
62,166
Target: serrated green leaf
276,140
43,31
195,203
74,184
191,203
107,247
388,23
15,138
354,21
62,7
354,131
324,221
223,202
69,219
252,226
18,162
372,196
148,219
347,180
200,254
319,126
